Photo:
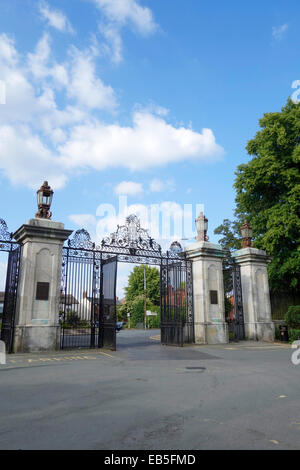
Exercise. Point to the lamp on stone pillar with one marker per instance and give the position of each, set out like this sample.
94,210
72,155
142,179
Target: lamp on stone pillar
44,200
202,227
247,234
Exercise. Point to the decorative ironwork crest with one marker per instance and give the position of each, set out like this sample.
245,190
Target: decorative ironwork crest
130,242
81,239
7,242
131,237
4,233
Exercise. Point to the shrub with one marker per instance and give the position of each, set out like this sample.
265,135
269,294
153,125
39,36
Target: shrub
292,317
72,320
294,334
154,322
137,312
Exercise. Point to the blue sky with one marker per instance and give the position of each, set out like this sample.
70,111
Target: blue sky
152,98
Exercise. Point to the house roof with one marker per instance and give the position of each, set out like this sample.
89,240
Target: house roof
68,299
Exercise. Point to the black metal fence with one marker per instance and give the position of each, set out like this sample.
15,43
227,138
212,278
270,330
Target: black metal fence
13,250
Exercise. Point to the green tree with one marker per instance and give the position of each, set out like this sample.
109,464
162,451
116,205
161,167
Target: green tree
121,313
231,234
135,286
268,195
136,309
268,190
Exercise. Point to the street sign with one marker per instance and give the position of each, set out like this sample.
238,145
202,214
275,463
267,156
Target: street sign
151,314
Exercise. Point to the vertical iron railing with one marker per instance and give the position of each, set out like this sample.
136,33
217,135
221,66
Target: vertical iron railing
10,296
233,293
177,315
238,303
78,301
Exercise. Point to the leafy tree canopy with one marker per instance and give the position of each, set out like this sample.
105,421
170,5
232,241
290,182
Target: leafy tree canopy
135,286
231,235
268,195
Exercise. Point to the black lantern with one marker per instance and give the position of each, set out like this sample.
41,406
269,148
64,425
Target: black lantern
247,234
202,227
44,200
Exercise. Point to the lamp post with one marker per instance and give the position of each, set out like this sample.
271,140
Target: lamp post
247,234
202,227
44,200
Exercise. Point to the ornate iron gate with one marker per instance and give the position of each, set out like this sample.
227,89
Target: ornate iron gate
88,292
11,287
108,317
238,303
80,293
233,294
177,325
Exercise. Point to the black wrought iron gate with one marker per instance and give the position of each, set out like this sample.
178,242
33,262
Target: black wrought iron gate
108,317
11,286
234,299
238,303
177,325
88,291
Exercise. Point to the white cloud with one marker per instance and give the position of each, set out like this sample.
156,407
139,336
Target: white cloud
24,159
31,123
55,18
150,142
278,31
40,137
78,76
128,11
113,37
118,14
8,52
157,185
39,65
129,187
37,61
83,220
86,87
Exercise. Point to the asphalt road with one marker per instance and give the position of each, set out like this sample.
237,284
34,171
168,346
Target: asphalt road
148,396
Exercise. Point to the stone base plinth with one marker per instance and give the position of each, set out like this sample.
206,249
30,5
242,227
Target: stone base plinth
260,331
36,338
211,333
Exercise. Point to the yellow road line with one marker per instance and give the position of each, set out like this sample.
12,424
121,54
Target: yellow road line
106,354
157,337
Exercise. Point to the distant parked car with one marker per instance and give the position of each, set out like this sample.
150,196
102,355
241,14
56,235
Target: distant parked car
119,325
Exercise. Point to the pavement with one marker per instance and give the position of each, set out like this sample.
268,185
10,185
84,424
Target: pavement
147,396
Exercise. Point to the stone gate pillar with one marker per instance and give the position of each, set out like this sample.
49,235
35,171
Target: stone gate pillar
37,320
208,290
256,295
